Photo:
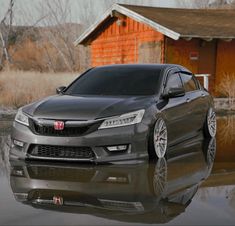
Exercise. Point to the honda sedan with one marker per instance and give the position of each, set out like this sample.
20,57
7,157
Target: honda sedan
113,113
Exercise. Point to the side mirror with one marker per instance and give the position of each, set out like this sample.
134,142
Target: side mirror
174,92
60,89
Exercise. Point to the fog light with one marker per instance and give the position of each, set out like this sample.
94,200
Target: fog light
121,180
17,172
118,148
21,197
18,143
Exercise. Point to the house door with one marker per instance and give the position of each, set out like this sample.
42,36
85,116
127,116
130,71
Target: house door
207,60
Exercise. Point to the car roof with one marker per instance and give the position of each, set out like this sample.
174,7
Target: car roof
162,67
139,66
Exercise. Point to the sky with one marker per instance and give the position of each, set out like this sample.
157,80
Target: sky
28,12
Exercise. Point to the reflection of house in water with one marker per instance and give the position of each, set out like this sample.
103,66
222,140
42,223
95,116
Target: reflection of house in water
225,139
143,193
219,188
223,172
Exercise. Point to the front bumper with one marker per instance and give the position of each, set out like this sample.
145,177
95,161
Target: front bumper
135,136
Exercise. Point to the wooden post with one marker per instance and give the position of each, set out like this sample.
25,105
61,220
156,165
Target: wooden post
205,79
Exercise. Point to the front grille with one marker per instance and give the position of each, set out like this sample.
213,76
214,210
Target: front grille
48,130
61,152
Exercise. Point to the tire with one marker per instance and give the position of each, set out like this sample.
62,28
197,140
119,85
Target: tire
158,140
210,126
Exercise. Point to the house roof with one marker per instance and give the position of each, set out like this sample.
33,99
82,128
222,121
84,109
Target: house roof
172,22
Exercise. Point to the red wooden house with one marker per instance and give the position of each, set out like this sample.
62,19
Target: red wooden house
200,39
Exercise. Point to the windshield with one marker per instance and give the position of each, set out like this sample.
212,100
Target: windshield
115,81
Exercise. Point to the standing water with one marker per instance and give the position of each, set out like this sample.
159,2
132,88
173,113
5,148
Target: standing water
194,185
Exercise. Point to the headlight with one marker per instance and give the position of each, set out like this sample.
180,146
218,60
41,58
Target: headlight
123,120
22,118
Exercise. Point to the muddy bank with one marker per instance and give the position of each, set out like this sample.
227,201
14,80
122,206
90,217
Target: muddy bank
7,113
6,124
5,145
225,106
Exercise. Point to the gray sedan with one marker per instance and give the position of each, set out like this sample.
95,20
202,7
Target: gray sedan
113,113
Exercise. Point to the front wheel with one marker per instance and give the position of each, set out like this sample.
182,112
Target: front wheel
159,139
210,124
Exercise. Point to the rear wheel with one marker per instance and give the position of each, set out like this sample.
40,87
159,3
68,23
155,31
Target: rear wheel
159,139
210,124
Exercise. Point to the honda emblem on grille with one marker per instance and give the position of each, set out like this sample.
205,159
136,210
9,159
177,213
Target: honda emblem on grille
59,125
57,200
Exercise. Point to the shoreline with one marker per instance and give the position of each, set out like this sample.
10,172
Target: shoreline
7,113
224,112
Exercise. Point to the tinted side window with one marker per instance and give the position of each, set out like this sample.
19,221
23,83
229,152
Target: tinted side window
173,81
189,83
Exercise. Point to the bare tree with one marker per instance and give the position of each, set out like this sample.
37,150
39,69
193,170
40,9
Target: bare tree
5,31
46,47
60,32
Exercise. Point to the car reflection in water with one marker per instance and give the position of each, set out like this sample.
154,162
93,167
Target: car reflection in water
146,192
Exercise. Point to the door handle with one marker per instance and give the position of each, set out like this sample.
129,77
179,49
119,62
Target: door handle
188,100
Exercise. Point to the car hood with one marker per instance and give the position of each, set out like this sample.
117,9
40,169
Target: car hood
65,107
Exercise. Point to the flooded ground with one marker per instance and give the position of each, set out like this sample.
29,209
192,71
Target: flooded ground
194,185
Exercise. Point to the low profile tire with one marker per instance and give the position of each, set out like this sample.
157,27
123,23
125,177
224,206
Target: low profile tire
210,126
158,140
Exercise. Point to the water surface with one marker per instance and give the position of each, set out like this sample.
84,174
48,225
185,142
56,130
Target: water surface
195,185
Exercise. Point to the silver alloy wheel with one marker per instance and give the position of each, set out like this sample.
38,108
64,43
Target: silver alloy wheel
160,178
160,138
211,122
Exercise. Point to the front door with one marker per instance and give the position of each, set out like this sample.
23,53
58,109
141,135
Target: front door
176,110
207,60
195,103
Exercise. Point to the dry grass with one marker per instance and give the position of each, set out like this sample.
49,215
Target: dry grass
18,88
227,88
227,130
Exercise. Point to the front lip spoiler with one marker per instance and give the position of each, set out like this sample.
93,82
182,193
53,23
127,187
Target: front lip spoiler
31,157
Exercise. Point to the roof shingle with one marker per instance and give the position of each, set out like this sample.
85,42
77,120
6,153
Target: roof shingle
172,22
213,23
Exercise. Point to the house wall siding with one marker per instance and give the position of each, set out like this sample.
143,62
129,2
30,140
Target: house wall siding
225,60
178,52
124,44
204,60
135,42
